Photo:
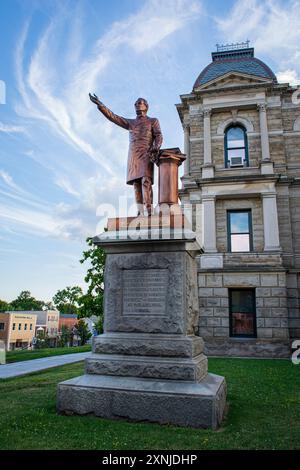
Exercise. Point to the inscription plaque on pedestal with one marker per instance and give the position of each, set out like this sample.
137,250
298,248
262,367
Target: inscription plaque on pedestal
145,291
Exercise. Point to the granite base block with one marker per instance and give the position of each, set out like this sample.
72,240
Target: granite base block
190,369
198,405
161,345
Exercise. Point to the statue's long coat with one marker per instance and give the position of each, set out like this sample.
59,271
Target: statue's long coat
144,134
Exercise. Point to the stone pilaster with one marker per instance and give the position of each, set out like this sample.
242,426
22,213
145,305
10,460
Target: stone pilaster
209,224
186,129
210,258
207,170
270,216
264,135
266,165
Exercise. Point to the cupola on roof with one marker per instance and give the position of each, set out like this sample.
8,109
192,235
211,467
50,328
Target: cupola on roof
234,58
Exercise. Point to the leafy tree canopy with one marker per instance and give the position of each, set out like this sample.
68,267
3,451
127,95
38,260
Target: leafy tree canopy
91,303
4,306
99,325
25,301
67,300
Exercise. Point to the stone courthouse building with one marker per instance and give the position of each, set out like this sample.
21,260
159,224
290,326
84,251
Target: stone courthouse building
242,177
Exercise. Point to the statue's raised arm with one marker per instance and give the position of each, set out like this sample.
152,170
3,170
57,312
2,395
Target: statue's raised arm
119,120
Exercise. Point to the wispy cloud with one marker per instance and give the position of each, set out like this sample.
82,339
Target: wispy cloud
65,184
152,24
20,208
44,223
10,189
243,19
11,129
8,180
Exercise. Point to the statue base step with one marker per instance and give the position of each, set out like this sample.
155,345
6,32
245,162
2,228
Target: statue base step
198,405
190,369
172,220
151,344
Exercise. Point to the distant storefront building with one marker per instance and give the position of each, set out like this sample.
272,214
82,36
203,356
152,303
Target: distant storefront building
48,321
17,329
67,319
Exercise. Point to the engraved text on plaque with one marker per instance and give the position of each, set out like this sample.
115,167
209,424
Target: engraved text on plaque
145,291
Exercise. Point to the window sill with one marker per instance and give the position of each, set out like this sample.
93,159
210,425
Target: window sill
243,338
233,168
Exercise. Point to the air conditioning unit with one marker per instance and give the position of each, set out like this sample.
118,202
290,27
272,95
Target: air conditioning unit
236,161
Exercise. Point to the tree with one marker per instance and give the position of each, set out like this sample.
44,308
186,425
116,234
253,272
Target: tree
49,305
25,301
67,300
65,336
99,325
83,332
67,308
89,305
42,340
92,302
4,306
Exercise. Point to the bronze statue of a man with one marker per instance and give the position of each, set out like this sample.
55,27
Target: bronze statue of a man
145,140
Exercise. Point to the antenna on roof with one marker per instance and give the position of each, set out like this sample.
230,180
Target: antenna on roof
233,46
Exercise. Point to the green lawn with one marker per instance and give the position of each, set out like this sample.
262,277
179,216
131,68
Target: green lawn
264,413
16,356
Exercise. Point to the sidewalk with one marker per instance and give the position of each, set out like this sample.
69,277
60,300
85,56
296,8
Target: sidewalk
27,367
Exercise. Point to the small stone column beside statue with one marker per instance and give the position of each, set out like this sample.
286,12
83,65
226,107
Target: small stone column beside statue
149,363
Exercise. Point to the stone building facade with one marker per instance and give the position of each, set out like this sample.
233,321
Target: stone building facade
242,180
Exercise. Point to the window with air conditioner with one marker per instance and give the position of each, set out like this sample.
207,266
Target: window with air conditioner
236,147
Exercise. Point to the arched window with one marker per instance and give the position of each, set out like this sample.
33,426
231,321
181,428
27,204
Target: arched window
236,146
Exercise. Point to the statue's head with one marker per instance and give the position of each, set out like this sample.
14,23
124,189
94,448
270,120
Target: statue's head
141,105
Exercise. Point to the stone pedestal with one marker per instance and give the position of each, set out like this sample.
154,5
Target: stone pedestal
168,163
149,364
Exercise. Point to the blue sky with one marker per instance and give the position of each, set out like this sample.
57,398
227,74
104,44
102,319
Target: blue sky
61,162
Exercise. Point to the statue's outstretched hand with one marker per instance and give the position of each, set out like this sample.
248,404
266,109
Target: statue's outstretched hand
94,98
